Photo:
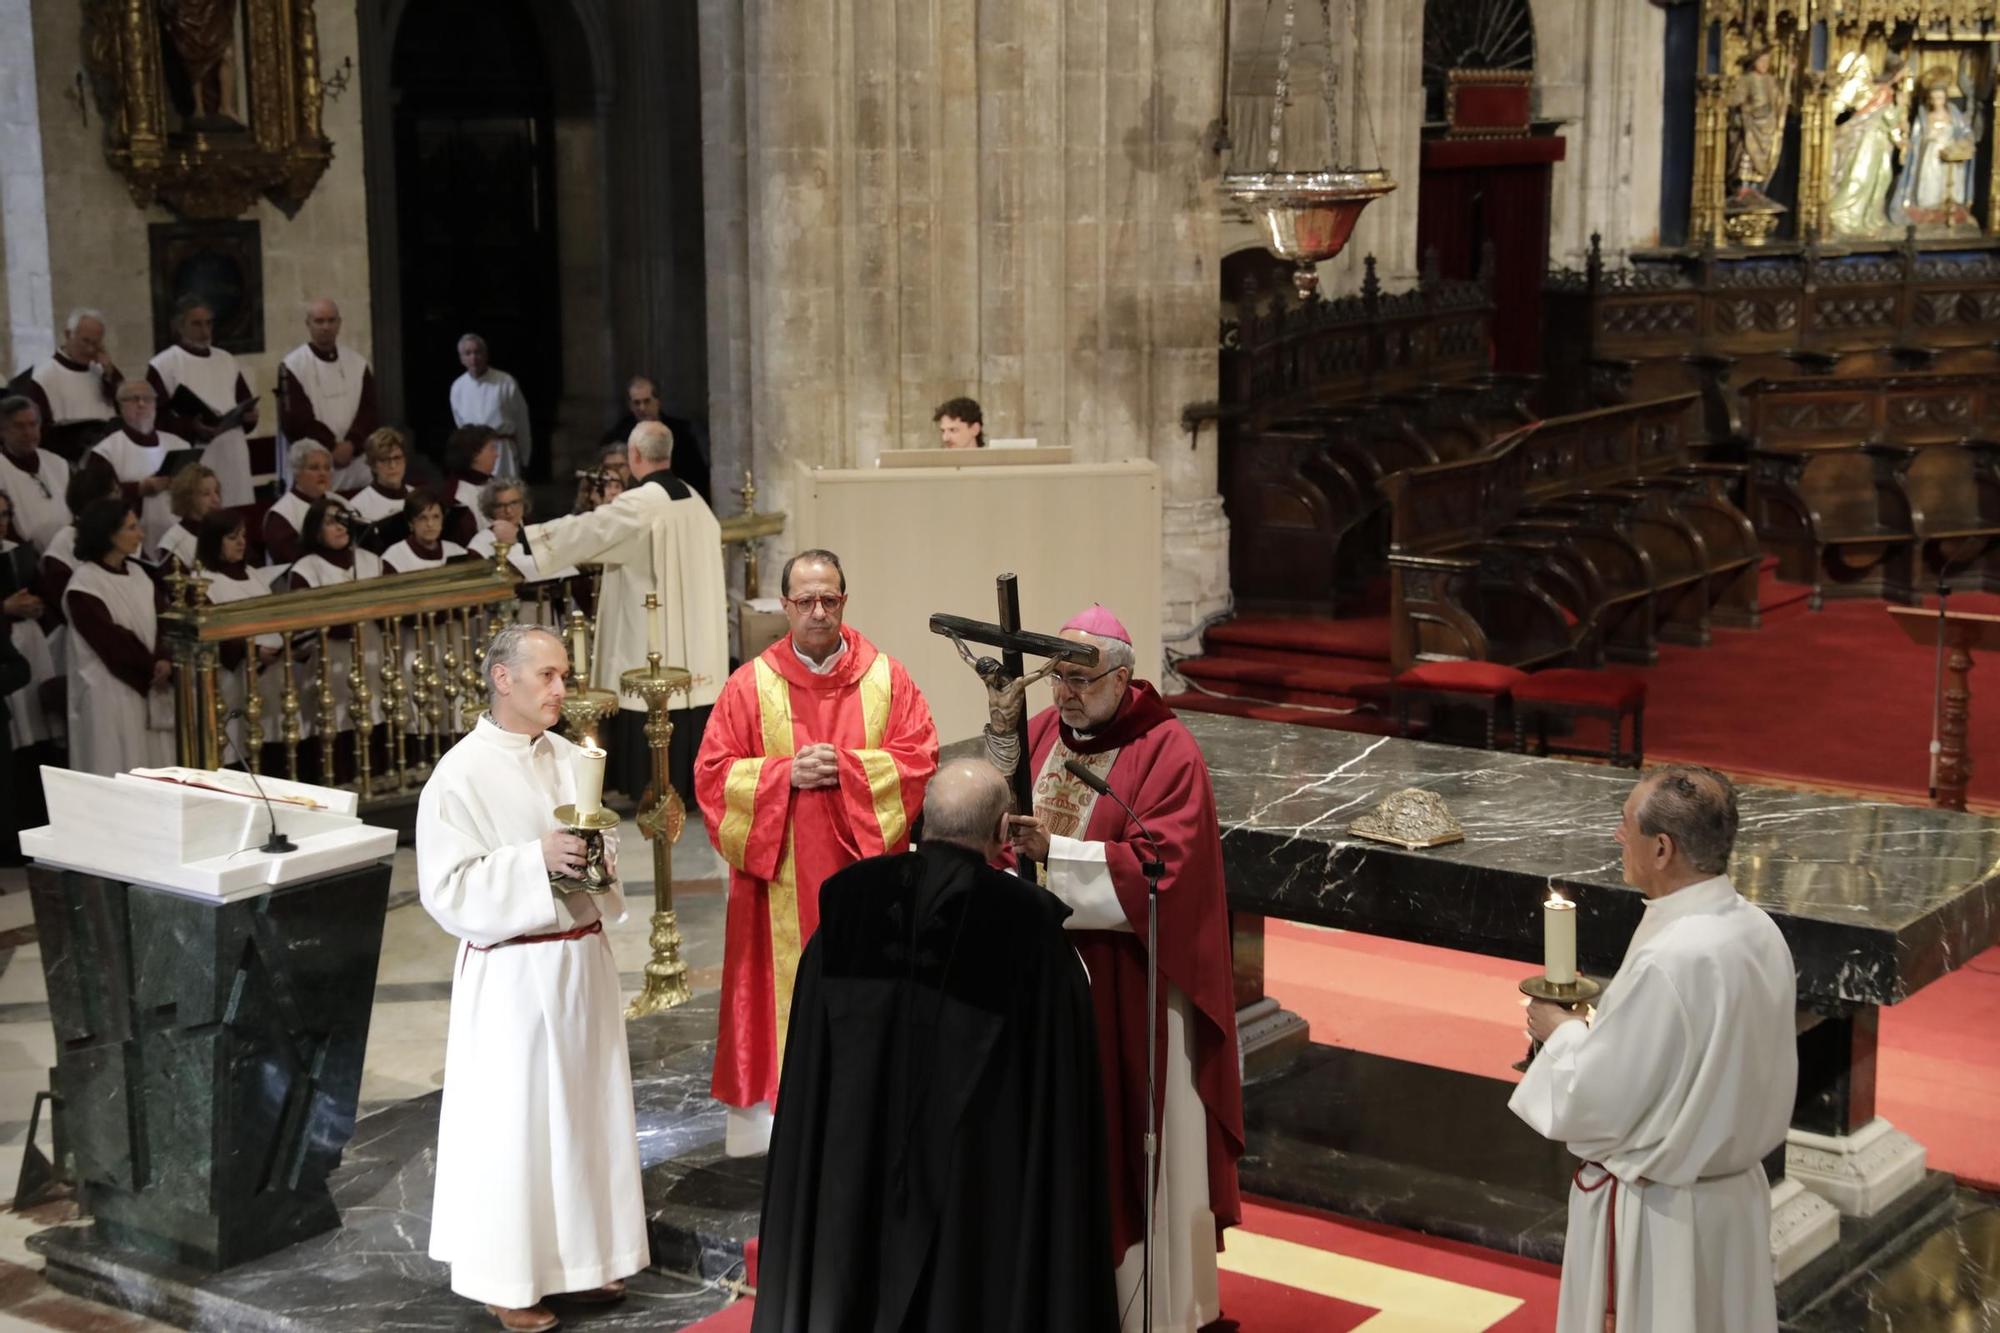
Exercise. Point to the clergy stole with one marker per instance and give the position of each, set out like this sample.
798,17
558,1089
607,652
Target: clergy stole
783,842
1062,803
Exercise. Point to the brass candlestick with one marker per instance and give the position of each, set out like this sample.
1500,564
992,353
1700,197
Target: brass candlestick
595,877
585,710
1570,995
661,822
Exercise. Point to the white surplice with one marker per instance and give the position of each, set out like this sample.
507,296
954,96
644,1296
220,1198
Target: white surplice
132,462
538,1158
494,399
74,393
113,727
214,377
648,541
334,388
1678,1090
40,511
402,558
1186,1292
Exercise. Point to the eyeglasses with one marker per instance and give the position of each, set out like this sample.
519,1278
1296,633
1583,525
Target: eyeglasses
1076,682
829,603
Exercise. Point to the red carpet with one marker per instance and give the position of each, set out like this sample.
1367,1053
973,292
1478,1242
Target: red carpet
1939,1050
1289,1270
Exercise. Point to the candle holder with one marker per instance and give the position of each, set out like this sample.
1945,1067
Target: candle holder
596,876
661,821
1570,995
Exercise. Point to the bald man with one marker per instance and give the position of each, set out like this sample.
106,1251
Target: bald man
938,1156
326,394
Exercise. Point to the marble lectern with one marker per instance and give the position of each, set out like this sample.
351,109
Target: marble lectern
210,1004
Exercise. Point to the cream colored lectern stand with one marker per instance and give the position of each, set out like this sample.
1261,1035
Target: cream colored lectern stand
916,541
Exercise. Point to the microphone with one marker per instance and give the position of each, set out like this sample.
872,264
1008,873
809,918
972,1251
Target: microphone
1088,777
277,843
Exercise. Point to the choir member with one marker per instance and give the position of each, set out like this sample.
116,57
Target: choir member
35,477
214,385
120,712
470,456
483,396
326,393
137,457
311,467
195,494
76,388
425,547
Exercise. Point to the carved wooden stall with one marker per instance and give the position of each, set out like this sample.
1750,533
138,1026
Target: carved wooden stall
1321,401
1593,535
1878,486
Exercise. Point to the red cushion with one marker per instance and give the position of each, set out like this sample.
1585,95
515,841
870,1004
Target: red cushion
1462,677
1596,689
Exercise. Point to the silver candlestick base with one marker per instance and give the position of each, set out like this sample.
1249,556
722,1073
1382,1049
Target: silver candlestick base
596,876
1569,995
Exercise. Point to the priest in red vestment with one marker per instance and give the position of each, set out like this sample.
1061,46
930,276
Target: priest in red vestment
1118,727
816,755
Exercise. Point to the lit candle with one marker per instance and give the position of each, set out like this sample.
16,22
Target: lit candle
586,766
656,628
1559,940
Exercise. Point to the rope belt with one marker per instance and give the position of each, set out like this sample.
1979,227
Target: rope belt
1611,1244
576,933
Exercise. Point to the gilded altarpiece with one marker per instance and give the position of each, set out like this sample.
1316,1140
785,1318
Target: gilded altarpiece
208,104
1846,122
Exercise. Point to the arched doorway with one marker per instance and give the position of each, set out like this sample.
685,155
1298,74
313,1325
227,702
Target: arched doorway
474,136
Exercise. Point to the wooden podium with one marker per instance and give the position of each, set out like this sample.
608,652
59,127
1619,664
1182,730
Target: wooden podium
1962,632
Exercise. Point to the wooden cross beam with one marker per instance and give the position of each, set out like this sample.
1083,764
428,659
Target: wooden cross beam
1013,643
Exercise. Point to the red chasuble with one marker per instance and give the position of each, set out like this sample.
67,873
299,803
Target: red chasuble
781,843
1157,767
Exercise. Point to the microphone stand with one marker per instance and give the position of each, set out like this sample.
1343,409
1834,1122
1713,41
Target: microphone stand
1154,870
277,843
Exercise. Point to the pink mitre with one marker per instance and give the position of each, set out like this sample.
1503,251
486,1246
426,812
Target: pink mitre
1096,620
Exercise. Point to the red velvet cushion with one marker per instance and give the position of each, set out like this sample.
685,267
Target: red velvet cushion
1596,689
1462,677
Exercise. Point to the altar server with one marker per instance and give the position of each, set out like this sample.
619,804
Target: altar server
1677,1090
537,1194
1117,726
136,457
215,384
326,392
76,387
35,477
483,396
120,715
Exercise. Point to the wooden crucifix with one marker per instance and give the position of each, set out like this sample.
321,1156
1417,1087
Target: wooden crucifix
1006,683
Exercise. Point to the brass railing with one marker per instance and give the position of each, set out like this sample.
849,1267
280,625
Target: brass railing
415,682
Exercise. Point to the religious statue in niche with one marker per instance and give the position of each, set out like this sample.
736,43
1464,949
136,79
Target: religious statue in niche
1865,145
201,61
1758,103
1935,185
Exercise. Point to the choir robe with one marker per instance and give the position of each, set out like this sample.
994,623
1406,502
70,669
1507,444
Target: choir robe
326,570
538,1155
1672,1097
328,397
237,583
658,536
131,459
405,558
282,522
179,542
36,484
78,403
938,1159
463,518
213,376
1149,759
117,720
382,524
58,563
495,400
781,842
29,722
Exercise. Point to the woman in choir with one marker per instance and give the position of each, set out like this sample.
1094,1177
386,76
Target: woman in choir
34,711
470,456
425,547
380,503
120,711
86,486
328,558
195,494
539,595
222,546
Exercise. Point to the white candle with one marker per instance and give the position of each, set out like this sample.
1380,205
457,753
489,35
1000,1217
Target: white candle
656,633
1559,940
586,766
579,652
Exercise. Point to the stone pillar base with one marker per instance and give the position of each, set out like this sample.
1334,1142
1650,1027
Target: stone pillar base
1268,1037
1860,1173
1803,1227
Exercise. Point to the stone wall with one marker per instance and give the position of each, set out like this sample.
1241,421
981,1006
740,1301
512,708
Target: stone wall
96,236
1012,199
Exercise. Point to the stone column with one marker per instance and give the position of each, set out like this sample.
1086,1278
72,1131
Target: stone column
725,209
1607,83
24,222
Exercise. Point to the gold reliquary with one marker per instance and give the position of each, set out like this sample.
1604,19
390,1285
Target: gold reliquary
209,103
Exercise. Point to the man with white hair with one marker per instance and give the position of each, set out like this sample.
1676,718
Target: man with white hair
537,1194
36,480
198,383
1091,851
659,536
1674,1093
483,396
76,389
139,458
326,393
311,468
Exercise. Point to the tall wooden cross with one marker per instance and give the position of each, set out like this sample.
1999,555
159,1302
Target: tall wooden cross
1013,642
